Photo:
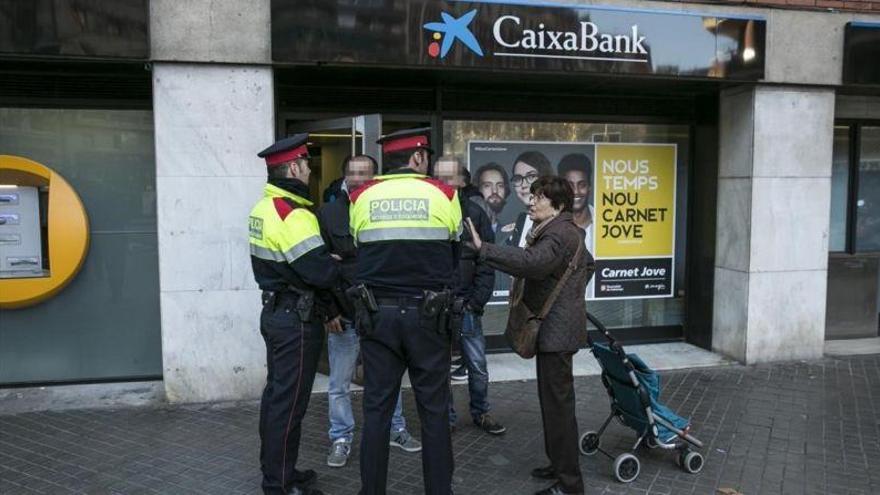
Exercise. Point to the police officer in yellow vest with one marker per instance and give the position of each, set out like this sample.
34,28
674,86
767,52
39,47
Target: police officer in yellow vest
294,269
407,227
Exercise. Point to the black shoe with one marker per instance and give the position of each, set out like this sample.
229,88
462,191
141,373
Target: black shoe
556,489
490,425
304,479
544,473
460,374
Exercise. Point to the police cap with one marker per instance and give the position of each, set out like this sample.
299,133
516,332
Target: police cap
286,150
407,139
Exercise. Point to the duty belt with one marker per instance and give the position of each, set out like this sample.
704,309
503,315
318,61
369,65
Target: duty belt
400,301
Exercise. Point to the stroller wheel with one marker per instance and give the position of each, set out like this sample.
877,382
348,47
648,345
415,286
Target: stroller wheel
626,468
589,443
650,442
690,461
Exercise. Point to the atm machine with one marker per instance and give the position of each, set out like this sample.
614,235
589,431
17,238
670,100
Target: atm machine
20,233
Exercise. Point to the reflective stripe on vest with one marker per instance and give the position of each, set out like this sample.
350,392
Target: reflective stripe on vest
405,234
303,247
291,254
267,254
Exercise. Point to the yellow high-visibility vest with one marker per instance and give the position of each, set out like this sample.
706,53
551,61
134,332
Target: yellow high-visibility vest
281,227
405,206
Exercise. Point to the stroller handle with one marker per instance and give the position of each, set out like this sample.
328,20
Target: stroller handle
612,342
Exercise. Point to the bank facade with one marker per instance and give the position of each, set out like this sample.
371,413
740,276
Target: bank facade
733,160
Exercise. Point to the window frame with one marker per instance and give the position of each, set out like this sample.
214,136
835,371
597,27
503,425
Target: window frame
852,189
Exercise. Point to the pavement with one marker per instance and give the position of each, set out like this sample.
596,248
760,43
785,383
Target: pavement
793,428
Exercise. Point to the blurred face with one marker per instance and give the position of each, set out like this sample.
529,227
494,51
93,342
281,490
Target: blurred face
360,170
523,177
540,208
493,189
580,184
448,172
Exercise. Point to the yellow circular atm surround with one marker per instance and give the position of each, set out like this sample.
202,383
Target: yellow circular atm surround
68,234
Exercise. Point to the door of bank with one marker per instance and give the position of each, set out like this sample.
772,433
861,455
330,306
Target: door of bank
331,141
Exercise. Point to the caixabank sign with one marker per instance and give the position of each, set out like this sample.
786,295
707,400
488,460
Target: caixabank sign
517,36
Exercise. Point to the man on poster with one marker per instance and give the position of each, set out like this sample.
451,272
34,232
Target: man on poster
577,169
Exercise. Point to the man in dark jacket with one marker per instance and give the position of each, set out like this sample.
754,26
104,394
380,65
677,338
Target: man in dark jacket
475,283
343,346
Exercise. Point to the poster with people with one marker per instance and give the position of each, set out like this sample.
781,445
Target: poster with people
624,201
504,172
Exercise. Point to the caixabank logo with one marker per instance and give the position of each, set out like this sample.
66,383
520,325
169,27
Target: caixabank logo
451,29
516,35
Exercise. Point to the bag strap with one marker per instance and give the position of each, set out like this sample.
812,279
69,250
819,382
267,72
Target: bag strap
572,265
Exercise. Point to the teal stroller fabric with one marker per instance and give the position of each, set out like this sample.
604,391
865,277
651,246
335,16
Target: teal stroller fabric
626,398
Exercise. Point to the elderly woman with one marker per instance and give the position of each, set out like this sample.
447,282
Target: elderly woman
552,243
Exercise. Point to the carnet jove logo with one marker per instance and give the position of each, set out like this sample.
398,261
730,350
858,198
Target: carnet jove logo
515,36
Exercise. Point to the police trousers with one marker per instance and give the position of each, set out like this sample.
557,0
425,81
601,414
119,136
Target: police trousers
292,352
402,340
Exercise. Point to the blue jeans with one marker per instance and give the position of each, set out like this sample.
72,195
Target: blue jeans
473,350
342,349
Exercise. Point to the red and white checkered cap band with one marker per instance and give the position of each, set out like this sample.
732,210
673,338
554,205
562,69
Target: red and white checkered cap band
406,143
286,156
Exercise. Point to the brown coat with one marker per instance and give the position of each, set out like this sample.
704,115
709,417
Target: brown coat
542,265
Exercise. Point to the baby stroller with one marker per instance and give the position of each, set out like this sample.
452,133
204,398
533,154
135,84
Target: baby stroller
634,389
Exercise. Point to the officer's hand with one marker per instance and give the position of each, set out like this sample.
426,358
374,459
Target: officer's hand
334,325
475,236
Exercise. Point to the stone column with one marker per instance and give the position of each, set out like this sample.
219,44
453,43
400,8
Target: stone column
774,190
213,107
210,123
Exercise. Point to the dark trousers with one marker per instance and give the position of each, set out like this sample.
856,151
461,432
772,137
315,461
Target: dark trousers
292,352
402,340
556,394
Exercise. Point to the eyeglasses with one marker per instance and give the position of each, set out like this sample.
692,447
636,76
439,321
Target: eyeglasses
528,178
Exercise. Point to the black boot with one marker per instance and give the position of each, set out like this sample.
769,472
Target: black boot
304,479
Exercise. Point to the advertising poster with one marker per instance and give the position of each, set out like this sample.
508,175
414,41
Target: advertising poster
635,225
624,201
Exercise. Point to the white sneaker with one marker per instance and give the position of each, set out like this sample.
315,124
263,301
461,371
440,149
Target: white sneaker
339,452
403,440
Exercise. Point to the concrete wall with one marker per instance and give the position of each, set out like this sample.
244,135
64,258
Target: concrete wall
232,31
210,123
774,193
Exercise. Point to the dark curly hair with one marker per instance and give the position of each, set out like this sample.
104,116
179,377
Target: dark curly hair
556,189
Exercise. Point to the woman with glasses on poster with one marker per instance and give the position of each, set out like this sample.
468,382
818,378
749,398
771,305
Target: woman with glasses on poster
527,167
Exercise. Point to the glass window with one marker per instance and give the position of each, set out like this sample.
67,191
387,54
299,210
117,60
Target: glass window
105,324
868,199
507,200
839,188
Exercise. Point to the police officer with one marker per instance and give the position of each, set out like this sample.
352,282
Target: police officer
407,228
294,269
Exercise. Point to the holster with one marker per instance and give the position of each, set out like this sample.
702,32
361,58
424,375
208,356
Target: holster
364,307
305,304
456,316
435,308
